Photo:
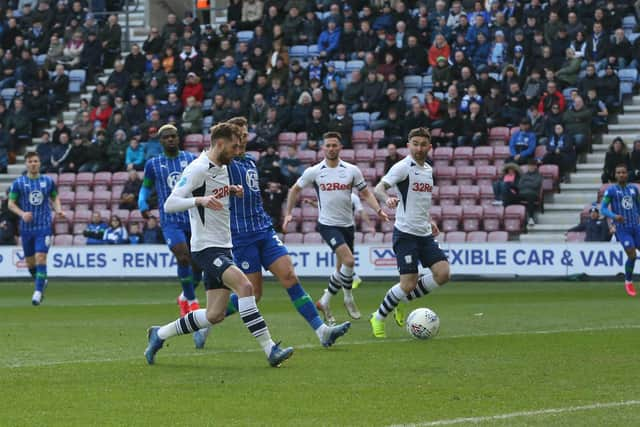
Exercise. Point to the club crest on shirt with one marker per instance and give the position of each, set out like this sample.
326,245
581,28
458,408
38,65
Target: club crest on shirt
36,197
172,179
627,202
183,164
252,180
43,184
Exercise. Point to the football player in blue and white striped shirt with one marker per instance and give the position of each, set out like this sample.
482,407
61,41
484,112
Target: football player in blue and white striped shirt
162,173
29,198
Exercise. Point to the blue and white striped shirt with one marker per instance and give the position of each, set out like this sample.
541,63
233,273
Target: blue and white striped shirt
164,172
247,213
624,201
33,195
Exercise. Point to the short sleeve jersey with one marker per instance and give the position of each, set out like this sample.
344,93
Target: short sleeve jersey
33,195
162,173
247,212
415,186
333,187
624,201
209,228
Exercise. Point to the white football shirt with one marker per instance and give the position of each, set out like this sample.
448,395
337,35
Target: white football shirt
356,203
333,187
415,185
209,228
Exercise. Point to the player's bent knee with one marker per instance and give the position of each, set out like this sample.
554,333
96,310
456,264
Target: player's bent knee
183,260
244,289
40,259
215,317
441,274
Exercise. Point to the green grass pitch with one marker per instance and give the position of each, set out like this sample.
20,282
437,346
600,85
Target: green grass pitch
508,353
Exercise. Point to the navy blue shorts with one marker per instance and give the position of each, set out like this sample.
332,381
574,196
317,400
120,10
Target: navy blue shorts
628,237
410,249
257,251
336,236
34,242
213,262
174,234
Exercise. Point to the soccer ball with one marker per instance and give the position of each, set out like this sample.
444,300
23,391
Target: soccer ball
423,323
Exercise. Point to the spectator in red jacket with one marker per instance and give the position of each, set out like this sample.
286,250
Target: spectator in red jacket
551,96
102,112
192,88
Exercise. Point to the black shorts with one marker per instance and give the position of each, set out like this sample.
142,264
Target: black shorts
213,262
410,249
336,236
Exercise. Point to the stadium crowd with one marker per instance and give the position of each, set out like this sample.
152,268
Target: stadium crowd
466,69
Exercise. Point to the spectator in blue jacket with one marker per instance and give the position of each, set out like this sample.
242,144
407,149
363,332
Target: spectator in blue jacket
597,229
116,233
522,144
229,70
480,50
152,233
134,158
95,230
329,40
479,26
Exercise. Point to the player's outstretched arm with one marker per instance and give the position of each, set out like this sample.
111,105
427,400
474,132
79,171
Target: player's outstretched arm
381,193
181,198
604,209
371,201
292,199
145,189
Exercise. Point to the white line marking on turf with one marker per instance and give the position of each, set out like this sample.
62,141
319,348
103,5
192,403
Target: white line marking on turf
550,411
167,355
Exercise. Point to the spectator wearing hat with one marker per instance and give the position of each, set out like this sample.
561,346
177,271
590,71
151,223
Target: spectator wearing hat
116,151
329,40
596,228
522,143
616,155
442,75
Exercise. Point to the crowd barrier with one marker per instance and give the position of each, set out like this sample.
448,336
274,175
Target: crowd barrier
486,259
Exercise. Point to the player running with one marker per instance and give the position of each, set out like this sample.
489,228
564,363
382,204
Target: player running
162,172
625,211
414,232
333,180
204,191
29,199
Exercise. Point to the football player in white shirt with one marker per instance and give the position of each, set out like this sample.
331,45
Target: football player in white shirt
333,180
414,232
204,191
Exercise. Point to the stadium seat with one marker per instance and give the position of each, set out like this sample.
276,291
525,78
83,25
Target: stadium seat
514,218
348,155
469,195
413,82
362,136
388,238
486,195
79,240
471,216
435,195
83,200
629,75
576,236
462,156
312,239
102,178
193,143
629,22
308,193
451,216
63,240
287,138
293,238
541,150
377,135
313,50
485,175
84,181
298,52
373,237
445,175
119,178
301,137
340,67
498,237
427,84
309,213
361,119
244,36
442,156
477,237
456,237
498,135
354,65
67,179
492,218
292,227
123,214
101,199
482,156
358,238
77,78
380,154
54,178
7,95
136,217
307,157
449,195
435,213
465,175
308,227
365,156
370,175
500,154
386,226
550,177
61,227
67,199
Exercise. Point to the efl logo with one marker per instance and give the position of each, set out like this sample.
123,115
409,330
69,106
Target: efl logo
18,259
382,257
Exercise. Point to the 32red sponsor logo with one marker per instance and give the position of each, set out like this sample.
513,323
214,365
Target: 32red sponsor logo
422,187
335,186
220,192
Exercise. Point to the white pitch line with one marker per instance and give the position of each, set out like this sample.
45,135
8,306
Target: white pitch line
167,355
549,411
